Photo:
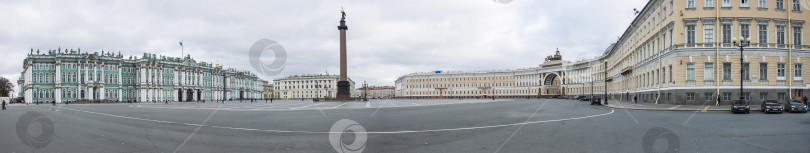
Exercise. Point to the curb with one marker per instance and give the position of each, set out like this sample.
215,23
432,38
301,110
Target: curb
666,109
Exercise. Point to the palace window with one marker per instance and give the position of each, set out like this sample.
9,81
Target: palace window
690,96
708,71
708,33
745,31
671,7
797,35
663,78
780,4
763,33
727,71
690,34
763,71
670,72
726,96
781,96
726,33
780,34
763,3
797,5
743,3
707,96
708,4
780,71
690,72
797,71
763,96
726,3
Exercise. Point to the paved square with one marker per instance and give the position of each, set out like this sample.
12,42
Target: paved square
404,125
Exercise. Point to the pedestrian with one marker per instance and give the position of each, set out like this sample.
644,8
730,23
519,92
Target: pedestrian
265,100
271,100
635,99
4,105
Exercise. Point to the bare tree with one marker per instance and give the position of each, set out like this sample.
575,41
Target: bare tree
6,87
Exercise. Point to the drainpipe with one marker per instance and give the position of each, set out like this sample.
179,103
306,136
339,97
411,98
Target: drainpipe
717,57
657,81
790,53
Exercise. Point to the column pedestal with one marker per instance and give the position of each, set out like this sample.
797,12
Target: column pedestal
344,90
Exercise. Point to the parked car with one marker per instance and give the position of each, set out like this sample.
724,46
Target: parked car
795,105
771,106
596,101
740,106
579,97
585,99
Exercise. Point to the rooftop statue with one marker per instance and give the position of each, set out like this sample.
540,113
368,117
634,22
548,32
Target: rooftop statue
554,57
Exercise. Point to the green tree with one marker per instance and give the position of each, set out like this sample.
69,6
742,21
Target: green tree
6,87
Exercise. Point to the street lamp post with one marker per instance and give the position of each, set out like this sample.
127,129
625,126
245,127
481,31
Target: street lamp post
741,42
606,79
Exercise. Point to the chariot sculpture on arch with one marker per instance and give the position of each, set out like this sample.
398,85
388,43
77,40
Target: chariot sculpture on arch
554,57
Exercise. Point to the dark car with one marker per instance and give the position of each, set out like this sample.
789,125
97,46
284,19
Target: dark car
585,99
771,106
596,101
740,106
795,105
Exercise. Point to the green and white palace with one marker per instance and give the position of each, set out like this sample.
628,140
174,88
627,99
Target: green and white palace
72,75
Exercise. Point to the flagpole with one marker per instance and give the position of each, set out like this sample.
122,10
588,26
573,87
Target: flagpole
182,50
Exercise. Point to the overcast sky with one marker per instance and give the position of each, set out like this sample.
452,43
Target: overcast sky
386,39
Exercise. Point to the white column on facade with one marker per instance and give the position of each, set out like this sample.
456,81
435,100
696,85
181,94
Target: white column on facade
174,81
27,85
185,94
174,94
120,90
183,79
102,79
95,78
87,90
142,82
58,85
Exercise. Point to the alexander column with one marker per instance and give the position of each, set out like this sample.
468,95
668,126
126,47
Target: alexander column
344,91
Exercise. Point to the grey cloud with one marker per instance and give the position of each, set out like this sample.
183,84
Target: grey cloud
386,38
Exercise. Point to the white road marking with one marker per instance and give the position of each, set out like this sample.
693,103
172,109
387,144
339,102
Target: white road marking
690,117
307,106
673,107
521,126
368,104
415,104
339,105
693,115
195,130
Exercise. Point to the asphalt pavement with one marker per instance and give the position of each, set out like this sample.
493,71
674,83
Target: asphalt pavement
446,125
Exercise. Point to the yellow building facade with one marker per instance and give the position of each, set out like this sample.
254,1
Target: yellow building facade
675,51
